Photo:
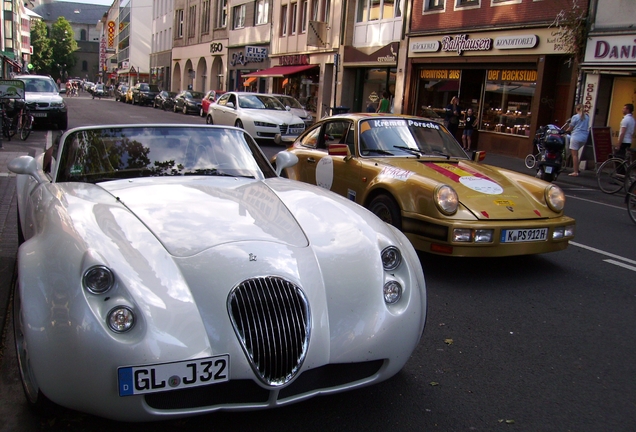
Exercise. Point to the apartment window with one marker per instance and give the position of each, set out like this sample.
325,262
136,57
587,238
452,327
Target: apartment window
374,10
504,2
179,20
83,34
303,23
433,5
192,19
222,14
388,8
314,10
283,21
205,17
262,11
463,3
84,65
327,10
293,18
238,17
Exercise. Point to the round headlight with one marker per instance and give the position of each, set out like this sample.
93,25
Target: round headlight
555,197
392,292
446,199
391,258
121,319
98,279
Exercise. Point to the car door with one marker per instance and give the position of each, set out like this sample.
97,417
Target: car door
218,109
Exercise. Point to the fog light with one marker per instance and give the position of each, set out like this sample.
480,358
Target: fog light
483,236
98,279
391,258
121,319
569,231
392,292
462,235
558,233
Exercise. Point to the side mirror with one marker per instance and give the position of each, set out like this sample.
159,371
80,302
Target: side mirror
288,108
26,165
338,150
478,156
284,160
230,105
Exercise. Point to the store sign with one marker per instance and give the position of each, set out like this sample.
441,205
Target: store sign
591,90
440,74
516,42
253,54
461,43
425,47
519,75
294,60
111,34
611,49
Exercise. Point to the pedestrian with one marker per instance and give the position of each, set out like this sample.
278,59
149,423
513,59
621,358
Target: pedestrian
579,128
385,104
453,112
470,121
626,131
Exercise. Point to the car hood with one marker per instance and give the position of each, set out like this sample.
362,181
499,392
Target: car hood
486,191
189,215
299,112
271,116
42,97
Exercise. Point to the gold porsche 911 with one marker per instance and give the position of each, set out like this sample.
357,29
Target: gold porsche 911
413,174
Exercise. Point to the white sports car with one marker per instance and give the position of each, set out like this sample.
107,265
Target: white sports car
262,115
167,271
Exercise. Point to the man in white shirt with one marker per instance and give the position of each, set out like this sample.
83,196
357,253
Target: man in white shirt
627,130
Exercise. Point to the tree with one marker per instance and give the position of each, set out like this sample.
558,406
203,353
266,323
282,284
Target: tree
42,58
63,46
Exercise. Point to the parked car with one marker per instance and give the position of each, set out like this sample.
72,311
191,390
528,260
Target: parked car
99,91
261,115
234,290
188,101
120,92
144,93
413,174
44,101
164,100
129,95
210,97
296,108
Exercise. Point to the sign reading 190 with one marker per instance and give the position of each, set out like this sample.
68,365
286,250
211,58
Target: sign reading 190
216,47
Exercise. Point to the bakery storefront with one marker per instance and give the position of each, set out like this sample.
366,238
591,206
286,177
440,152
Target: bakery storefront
514,81
609,70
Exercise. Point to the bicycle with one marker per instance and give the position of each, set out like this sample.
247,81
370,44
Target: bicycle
630,200
616,173
9,123
25,122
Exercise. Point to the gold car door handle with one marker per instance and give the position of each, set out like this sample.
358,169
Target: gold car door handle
311,160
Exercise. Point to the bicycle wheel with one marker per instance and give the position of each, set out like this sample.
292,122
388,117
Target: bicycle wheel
630,177
530,161
25,126
12,127
609,177
630,199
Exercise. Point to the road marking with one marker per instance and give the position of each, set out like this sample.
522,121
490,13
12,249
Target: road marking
625,264
595,202
49,139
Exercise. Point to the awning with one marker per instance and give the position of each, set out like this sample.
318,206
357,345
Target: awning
13,63
249,81
280,71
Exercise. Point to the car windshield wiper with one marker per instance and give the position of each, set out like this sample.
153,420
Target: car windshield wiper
416,152
378,151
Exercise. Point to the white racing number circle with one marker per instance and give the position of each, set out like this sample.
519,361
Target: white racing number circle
324,173
482,185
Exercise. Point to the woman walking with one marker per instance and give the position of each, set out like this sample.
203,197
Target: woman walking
579,126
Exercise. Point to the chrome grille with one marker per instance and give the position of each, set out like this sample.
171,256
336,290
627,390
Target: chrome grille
283,128
271,319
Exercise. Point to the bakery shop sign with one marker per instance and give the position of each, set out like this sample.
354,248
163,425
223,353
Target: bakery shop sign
461,43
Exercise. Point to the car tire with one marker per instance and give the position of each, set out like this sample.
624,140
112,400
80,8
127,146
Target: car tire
35,398
385,207
174,108
239,124
201,113
185,109
209,120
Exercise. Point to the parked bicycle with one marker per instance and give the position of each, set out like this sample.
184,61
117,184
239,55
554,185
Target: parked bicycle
630,200
9,122
25,122
617,173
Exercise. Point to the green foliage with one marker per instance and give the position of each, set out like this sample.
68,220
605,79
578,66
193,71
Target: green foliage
572,30
42,58
63,44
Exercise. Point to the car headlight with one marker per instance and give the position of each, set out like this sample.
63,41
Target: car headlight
98,279
391,258
554,197
121,319
446,199
392,292
265,124
58,104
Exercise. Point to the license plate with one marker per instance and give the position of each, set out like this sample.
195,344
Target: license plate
524,235
296,131
134,380
548,170
38,114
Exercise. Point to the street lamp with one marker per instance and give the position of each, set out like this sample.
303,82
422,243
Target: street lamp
63,73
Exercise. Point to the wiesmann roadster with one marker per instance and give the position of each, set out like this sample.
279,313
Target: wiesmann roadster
167,271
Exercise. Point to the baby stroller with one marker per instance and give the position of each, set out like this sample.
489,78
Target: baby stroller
539,143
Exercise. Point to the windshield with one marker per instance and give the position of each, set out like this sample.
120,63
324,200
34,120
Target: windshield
196,95
39,85
260,102
101,154
290,102
407,137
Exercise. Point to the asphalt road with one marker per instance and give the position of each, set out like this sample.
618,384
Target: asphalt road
539,343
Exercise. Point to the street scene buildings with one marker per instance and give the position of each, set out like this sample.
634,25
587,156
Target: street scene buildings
518,64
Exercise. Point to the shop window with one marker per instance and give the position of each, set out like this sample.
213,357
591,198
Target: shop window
283,21
238,17
262,11
507,100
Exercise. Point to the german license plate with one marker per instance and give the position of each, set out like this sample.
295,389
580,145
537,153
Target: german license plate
524,235
548,170
134,380
296,131
38,114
